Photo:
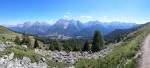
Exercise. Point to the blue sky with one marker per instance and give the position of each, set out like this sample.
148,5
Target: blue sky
19,11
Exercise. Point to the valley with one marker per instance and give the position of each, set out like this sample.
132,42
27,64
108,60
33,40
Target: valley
34,51
74,34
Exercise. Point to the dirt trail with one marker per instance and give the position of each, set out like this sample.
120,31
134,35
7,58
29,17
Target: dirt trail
145,57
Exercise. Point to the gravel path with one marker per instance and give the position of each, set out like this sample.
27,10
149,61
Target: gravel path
145,57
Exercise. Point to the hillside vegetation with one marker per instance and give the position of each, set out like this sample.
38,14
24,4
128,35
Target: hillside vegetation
123,54
7,34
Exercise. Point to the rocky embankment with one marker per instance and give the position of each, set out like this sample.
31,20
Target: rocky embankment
10,61
72,57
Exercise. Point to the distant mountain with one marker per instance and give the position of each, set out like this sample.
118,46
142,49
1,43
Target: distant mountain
66,27
70,27
119,34
105,28
36,28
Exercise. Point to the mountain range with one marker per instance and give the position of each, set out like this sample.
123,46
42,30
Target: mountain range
69,27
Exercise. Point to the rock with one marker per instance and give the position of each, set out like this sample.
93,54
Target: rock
21,63
72,57
24,46
11,56
26,60
43,59
2,47
8,42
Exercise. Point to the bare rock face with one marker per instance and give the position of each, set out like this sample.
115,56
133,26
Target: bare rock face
8,61
2,46
11,56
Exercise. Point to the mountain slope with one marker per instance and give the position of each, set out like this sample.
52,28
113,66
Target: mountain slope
4,30
124,54
6,33
36,28
105,28
70,28
119,34
66,27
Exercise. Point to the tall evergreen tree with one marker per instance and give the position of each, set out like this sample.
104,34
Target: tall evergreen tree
57,45
86,46
98,41
36,44
51,47
76,48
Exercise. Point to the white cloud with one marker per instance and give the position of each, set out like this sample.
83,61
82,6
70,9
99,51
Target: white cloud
86,17
82,16
65,16
103,17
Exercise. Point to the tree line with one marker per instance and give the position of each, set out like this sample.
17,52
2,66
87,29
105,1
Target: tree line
96,44
26,40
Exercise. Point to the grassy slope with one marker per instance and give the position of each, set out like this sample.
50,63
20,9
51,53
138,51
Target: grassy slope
8,35
122,56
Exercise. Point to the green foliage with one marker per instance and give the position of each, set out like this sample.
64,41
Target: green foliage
132,63
20,52
87,63
17,40
123,54
26,40
76,48
4,30
67,47
36,44
51,47
52,63
98,41
55,45
86,46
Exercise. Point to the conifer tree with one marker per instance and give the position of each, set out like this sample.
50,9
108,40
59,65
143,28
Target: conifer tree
86,46
98,41
36,44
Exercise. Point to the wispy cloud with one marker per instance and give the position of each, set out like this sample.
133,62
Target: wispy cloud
86,17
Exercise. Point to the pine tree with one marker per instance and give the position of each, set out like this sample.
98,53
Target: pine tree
86,46
51,47
57,45
36,44
76,48
17,40
98,41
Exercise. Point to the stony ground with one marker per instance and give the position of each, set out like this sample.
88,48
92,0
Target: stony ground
9,61
72,57
145,57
